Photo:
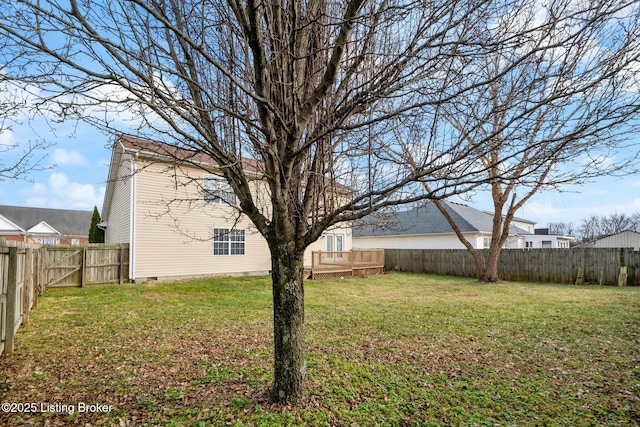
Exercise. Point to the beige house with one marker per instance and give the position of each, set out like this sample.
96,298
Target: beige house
179,217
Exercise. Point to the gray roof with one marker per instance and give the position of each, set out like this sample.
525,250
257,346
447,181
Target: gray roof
427,219
67,222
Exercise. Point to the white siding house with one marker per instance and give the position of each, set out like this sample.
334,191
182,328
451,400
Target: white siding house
178,220
425,227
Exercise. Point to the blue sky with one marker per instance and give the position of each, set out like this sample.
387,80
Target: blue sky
77,166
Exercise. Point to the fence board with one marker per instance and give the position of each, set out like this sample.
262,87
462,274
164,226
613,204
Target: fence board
601,265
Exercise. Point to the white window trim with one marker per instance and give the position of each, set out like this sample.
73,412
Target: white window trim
334,237
229,233
216,190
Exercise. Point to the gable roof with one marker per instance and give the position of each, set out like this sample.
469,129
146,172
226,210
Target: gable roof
8,226
38,220
173,153
427,219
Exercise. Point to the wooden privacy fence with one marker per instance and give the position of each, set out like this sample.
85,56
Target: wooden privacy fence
27,270
594,265
78,266
18,290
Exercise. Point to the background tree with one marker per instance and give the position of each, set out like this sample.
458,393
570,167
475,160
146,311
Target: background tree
563,228
17,159
96,234
562,100
596,226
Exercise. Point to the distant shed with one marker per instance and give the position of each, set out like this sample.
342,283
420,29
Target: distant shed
625,239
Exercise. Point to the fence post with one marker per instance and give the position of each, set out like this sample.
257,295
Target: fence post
121,266
580,277
83,269
12,284
622,277
36,276
27,290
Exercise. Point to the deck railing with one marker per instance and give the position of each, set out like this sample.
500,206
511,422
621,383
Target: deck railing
355,262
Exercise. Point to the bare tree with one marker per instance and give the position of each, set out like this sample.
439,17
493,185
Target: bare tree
563,98
590,228
562,228
616,222
595,226
17,158
311,90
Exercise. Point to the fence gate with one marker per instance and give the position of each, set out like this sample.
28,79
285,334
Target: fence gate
63,266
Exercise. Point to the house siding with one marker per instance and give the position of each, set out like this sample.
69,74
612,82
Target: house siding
416,242
119,215
626,239
174,228
161,212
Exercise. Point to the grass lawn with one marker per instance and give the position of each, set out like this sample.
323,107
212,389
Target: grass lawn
393,350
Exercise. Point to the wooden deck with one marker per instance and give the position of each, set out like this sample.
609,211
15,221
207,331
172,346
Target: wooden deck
336,265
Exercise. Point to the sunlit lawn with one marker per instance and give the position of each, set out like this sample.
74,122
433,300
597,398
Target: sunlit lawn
393,350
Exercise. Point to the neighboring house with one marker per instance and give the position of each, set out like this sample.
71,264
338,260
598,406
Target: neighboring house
45,226
541,239
625,239
176,212
425,227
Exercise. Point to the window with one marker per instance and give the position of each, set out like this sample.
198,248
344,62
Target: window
487,242
335,242
228,242
528,244
216,190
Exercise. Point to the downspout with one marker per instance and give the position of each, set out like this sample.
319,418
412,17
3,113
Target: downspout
132,215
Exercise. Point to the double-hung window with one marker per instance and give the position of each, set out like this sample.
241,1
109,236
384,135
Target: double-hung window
228,241
216,190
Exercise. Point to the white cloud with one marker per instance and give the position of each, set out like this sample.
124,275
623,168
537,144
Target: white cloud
7,139
66,157
541,212
60,193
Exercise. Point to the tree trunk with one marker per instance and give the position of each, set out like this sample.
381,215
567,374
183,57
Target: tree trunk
490,271
290,370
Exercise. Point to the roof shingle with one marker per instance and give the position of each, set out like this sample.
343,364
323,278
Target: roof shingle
427,219
67,222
